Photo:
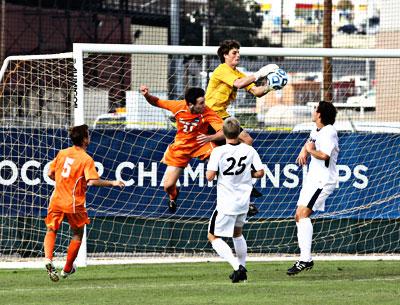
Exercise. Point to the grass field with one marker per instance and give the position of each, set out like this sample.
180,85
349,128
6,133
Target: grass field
330,282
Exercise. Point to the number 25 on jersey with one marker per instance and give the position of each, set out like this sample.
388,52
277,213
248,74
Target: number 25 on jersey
241,166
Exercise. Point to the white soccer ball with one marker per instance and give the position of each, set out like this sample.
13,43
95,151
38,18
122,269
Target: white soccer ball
277,79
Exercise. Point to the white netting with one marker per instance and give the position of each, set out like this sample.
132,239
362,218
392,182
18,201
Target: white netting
36,106
129,138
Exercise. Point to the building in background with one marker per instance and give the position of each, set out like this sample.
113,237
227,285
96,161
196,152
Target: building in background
388,70
300,12
31,27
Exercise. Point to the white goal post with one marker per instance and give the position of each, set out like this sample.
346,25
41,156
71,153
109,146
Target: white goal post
97,84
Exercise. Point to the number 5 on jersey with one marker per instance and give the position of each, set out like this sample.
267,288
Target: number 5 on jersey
67,167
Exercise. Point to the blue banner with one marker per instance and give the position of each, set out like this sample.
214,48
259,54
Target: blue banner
369,170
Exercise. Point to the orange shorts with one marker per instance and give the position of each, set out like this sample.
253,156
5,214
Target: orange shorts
178,157
76,220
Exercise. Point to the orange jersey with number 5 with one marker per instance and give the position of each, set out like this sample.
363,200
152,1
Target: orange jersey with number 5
190,125
72,168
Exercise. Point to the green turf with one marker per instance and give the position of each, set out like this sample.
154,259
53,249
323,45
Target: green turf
336,282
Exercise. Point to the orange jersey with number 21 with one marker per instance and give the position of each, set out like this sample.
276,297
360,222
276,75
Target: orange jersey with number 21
189,125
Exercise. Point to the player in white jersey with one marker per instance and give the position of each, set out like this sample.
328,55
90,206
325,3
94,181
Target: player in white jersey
236,164
321,179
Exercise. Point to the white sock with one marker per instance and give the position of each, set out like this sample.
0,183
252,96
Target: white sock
304,236
225,252
240,249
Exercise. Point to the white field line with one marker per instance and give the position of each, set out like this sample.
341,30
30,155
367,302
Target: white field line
184,259
136,286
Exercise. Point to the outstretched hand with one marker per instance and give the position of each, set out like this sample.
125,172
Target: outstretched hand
302,158
264,71
202,139
144,90
118,183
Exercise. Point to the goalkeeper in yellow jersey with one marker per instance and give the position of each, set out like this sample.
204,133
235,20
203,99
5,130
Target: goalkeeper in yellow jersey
224,83
227,79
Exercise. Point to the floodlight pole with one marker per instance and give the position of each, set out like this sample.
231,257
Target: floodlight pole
367,64
204,43
327,61
177,63
2,30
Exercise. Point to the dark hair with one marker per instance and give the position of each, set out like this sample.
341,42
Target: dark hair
225,47
328,112
192,94
231,128
78,134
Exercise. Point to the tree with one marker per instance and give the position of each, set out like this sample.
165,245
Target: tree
227,19
345,5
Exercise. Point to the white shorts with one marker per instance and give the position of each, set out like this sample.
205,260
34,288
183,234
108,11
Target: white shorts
222,225
313,196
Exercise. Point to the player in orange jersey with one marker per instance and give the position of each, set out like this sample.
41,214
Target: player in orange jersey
72,170
193,118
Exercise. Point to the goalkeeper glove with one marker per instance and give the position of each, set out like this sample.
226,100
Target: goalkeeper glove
264,71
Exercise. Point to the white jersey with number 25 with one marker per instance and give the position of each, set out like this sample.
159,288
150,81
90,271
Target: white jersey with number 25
234,162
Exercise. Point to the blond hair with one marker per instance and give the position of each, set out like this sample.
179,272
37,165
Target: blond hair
231,128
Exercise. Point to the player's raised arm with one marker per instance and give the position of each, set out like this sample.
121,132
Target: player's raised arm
265,70
276,79
151,99
247,80
259,91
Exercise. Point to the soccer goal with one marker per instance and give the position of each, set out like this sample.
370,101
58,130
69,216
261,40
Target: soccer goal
41,96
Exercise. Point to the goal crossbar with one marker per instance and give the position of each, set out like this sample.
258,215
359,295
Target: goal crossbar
251,51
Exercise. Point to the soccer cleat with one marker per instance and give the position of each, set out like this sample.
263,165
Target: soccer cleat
172,206
239,275
255,193
66,274
51,271
300,266
252,210
172,203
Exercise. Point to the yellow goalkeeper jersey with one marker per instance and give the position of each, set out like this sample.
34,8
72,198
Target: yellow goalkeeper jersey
220,90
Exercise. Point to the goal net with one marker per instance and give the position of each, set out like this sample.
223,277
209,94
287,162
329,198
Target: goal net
41,96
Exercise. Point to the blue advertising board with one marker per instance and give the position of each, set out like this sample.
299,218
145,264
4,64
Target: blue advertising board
369,170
